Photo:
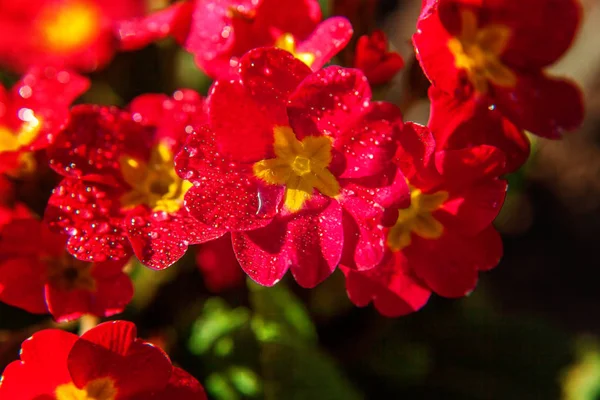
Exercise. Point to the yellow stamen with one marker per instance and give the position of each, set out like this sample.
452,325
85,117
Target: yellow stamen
27,133
288,43
98,389
299,165
417,219
155,183
478,51
72,24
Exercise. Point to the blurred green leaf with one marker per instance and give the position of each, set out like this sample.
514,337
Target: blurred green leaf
217,321
245,380
581,381
278,309
293,365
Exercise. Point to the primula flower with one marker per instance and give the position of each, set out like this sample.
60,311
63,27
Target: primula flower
219,32
373,58
107,362
38,275
459,124
120,190
288,157
218,265
75,34
441,242
32,112
496,51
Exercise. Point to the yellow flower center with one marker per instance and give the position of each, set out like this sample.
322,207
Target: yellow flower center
478,52
98,389
299,165
68,273
27,133
288,43
155,183
70,25
417,219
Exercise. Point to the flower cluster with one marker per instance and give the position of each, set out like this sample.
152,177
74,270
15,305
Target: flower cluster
287,163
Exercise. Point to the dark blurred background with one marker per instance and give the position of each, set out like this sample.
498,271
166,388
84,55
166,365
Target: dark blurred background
529,331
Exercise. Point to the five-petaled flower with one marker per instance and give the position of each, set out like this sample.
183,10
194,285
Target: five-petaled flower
219,32
38,275
306,163
107,362
373,57
120,189
77,34
496,52
32,113
441,242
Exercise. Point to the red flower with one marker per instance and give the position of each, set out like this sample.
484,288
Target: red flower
373,58
305,153
120,188
219,32
107,362
445,237
218,265
497,50
459,124
38,275
34,110
74,34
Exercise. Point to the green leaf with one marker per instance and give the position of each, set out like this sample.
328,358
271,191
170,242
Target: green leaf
293,365
279,311
216,322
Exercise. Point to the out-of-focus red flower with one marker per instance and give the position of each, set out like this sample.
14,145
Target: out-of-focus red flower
77,34
497,51
32,112
307,159
219,267
441,242
120,189
459,124
107,362
219,32
38,275
373,57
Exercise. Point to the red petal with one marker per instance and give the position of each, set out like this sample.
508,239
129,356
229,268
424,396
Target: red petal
390,286
112,293
110,349
160,239
173,117
545,106
181,386
415,151
466,167
261,252
43,356
460,124
328,39
271,76
218,265
474,209
22,283
226,195
368,147
96,137
329,102
253,121
314,245
174,20
373,58
432,52
91,215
